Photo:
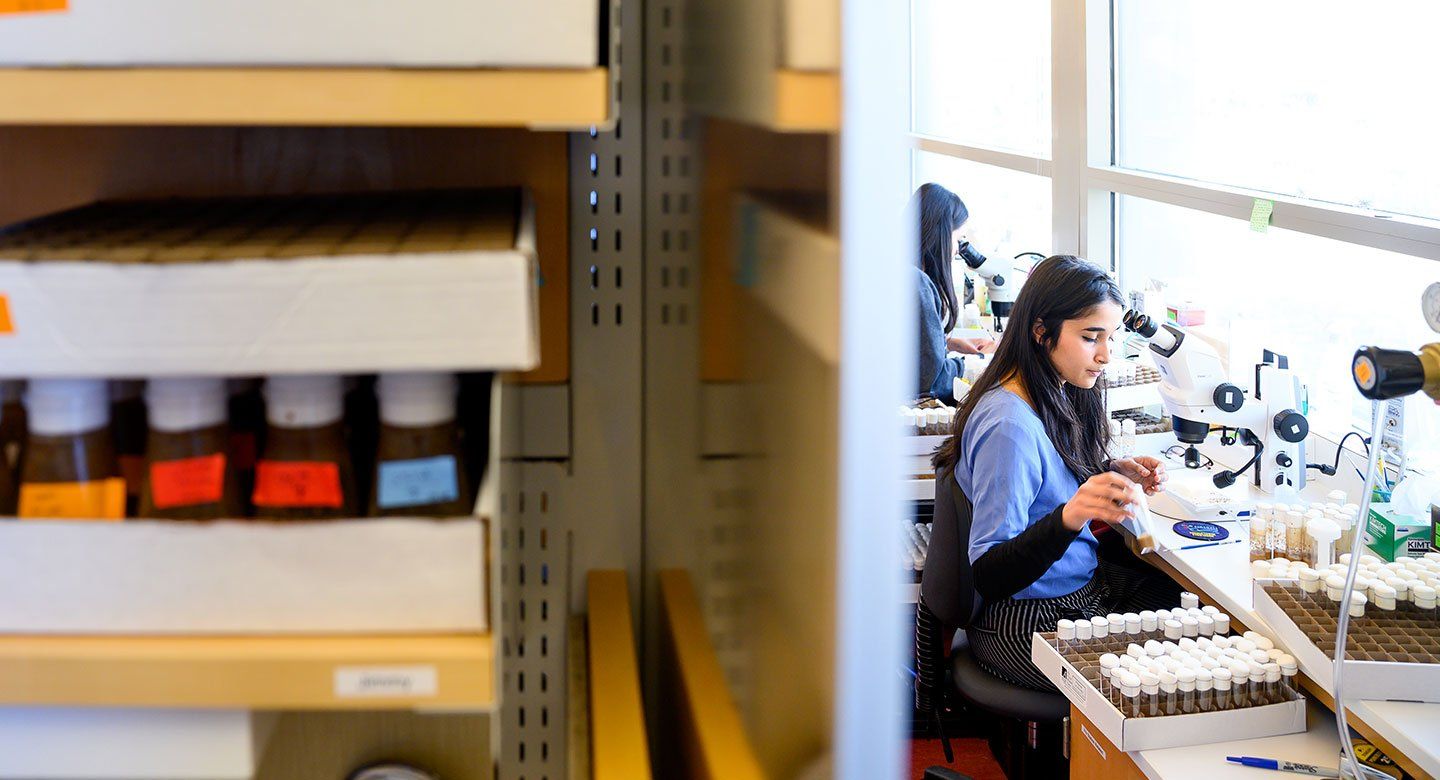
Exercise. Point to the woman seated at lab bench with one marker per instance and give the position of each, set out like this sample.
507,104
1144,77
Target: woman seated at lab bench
941,216
1028,450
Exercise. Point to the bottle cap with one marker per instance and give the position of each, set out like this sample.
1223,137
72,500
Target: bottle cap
1148,621
1153,648
1173,629
1262,642
1288,666
65,407
1186,643
1110,661
179,404
1168,679
1083,629
1335,496
1243,645
1262,570
417,400
1186,679
1116,622
1259,656
1190,626
1222,642
1206,625
1222,679
1098,627
1335,582
1189,600
1150,683
1132,623
1222,623
1135,651
1204,680
304,400
1272,673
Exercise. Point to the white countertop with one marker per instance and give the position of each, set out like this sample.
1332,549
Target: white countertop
1318,744
1222,572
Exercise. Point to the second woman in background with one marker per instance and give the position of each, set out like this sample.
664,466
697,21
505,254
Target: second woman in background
941,217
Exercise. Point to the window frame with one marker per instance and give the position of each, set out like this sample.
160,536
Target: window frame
1086,182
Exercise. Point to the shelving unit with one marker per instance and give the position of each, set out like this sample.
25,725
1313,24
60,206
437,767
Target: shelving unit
788,262
531,98
300,673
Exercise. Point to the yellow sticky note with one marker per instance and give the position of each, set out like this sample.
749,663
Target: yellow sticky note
32,6
102,499
7,326
1260,215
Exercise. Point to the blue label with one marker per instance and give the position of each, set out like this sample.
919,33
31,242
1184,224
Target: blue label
417,482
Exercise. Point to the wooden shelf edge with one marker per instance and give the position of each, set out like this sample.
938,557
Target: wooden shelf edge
244,672
807,101
534,98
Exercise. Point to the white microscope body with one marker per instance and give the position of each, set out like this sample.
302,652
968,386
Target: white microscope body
1197,395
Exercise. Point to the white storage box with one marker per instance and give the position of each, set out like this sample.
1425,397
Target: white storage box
417,33
1364,679
1165,731
343,284
244,577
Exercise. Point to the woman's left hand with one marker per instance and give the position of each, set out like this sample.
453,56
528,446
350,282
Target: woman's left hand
1145,471
971,346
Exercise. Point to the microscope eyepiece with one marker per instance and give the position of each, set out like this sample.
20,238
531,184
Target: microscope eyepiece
1140,323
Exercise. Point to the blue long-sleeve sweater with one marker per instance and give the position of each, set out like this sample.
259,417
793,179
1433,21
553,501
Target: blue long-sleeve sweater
937,370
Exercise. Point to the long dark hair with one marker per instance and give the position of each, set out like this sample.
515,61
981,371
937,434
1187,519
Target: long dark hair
1061,288
939,213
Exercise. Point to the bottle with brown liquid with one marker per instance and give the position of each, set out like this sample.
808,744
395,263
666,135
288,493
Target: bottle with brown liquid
69,470
304,471
419,469
188,474
12,422
128,431
247,432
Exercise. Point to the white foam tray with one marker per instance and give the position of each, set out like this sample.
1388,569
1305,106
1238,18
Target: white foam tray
243,577
1167,731
422,33
1370,680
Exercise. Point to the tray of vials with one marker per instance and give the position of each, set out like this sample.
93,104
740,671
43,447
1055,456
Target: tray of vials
1393,647
917,545
1166,684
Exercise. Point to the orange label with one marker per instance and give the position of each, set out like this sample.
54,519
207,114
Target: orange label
187,482
298,484
32,6
7,326
102,499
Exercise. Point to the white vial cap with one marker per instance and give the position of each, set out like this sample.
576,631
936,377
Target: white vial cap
1261,570
1370,560
1190,626
1065,629
1186,643
64,407
1150,683
1189,600
1210,609
1148,621
1204,680
1343,559
1275,654
1204,643
1117,622
1335,582
1109,662
1259,656
1132,623
1209,663
1222,679
186,404
1262,642
1098,627
1239,670
1335,496
1173,629
1168,680
1272,673
416,400
1135,651
304,400
1222,624
1207,625
1083,629
1243,645
1423,592
1186,679
1288,666
1153,648
1222,642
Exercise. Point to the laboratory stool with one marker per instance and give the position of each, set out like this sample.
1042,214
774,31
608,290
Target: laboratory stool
1028,740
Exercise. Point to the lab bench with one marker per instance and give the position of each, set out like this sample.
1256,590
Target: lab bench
1220,575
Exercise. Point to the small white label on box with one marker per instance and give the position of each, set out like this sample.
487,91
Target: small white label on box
377,682
1076,687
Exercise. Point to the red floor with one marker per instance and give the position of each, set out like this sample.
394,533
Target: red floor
972,757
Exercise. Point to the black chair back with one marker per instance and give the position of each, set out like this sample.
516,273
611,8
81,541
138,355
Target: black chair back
947,585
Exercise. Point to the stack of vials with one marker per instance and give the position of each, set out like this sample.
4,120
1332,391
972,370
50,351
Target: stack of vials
1176,662
1378,585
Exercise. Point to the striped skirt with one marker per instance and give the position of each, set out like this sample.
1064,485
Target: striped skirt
1000,638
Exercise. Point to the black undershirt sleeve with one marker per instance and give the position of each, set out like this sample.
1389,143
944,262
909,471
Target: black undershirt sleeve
1015,564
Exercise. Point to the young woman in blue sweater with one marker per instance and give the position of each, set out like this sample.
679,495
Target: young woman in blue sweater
1029,452
941,216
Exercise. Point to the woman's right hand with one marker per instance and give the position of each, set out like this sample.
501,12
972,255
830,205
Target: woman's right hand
1105,496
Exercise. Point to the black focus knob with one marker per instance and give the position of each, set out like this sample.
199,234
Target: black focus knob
1291,426
1283,460
1386,373
1228,397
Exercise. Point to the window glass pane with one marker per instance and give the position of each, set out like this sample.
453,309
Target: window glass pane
1284,96
1009,210
1313,299
981,72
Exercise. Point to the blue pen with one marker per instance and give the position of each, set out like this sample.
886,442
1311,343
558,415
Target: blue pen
1206,544
1283,766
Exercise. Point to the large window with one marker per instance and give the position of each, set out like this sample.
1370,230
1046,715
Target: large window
1163,124
1283,96
1009,210
982,72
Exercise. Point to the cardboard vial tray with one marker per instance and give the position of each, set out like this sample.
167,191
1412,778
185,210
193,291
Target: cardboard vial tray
1164,731
1391,655
147,577
248,286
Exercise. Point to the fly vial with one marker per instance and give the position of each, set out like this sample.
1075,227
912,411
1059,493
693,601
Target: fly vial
1098,627
1149,621
1064,634
1150,692
1259,523
1220,680
1168,683
1130,690
1189,600
1204,683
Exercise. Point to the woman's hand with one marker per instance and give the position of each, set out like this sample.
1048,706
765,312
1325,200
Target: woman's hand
971,346
1146,471
1103,497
